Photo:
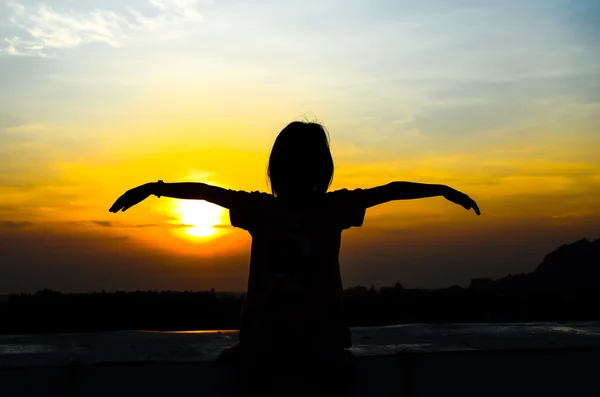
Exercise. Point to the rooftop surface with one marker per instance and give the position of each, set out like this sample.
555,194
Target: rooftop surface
466,360
201,346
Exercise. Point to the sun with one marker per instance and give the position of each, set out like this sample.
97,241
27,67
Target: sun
201,219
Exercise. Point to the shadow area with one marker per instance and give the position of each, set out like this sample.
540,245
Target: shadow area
293,372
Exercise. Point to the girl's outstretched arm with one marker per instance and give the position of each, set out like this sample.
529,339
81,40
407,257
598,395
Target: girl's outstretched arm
180,190
412,190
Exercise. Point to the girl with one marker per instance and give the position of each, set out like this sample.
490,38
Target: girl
294,295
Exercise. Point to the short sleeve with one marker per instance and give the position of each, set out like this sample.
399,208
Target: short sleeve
348,207
246,209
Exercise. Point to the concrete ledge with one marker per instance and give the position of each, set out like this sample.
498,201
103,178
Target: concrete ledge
416,360
571,372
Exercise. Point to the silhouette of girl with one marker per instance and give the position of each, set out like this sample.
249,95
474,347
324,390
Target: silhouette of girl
294,296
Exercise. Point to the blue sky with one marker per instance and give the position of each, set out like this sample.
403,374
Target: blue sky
395,69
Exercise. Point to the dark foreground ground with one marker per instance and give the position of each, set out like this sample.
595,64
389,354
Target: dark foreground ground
537,359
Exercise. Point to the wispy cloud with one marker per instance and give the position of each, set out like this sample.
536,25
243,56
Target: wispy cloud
42,28
119,224
14,224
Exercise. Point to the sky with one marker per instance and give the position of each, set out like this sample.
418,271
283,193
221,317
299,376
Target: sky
499,99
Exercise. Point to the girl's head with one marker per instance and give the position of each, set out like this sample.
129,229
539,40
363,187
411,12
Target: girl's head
300,164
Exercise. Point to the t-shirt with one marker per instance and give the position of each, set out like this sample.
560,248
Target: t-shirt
294,294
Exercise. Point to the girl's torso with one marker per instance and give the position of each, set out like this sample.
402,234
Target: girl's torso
294,291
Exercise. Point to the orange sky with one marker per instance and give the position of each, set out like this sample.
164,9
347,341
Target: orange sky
89,110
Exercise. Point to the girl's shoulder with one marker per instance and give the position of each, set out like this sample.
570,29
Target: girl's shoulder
344,195
253,195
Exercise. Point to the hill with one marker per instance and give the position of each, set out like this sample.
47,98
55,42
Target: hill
569,267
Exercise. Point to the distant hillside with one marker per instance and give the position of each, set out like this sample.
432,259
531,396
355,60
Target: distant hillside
569,267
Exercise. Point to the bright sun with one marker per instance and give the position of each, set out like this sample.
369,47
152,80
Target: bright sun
201,216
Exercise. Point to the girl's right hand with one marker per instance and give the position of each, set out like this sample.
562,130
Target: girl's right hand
132,197
461,199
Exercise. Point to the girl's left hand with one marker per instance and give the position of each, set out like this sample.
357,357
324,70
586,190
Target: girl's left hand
461,199
132,197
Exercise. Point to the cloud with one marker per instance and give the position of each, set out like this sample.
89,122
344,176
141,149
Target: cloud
99,223
179,225
15,224
103,223
43,28
111,224
120,225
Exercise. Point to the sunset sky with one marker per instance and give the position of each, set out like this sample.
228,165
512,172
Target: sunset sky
499,99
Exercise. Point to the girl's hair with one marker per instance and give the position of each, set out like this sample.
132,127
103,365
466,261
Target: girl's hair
300,164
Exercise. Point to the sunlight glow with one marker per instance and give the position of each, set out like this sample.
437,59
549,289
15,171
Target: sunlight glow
202,218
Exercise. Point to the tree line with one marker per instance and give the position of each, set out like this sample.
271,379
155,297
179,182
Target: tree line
49,311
